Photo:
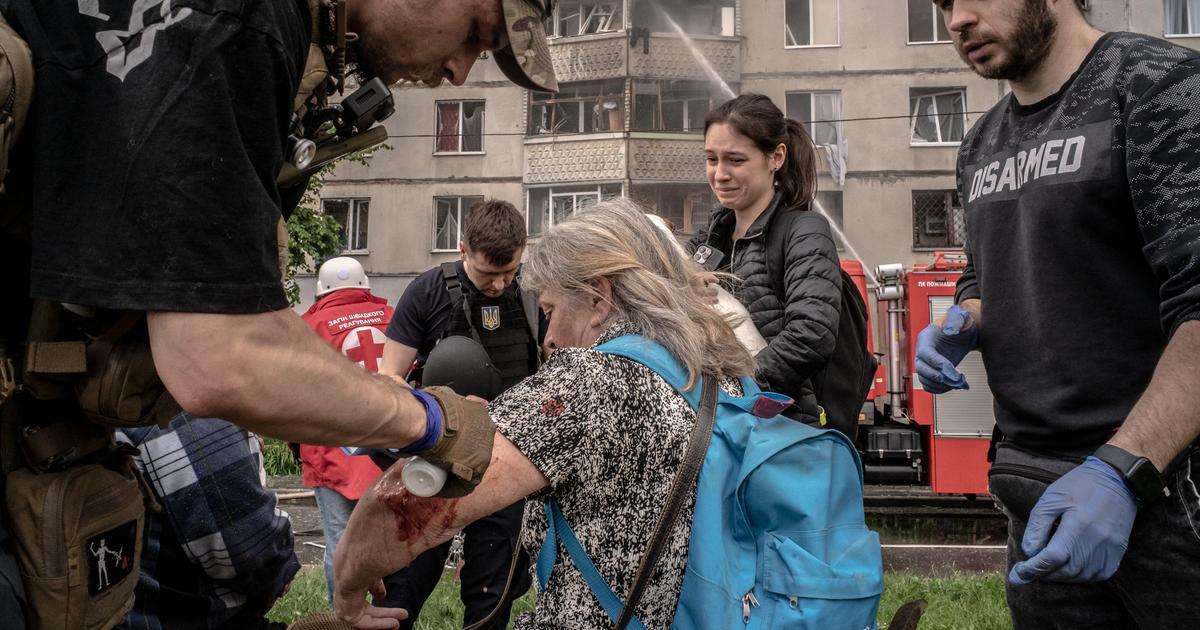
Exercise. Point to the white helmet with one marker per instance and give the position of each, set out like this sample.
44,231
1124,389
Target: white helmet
341,273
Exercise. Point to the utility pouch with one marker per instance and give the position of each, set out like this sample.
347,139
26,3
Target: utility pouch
78,539
121,387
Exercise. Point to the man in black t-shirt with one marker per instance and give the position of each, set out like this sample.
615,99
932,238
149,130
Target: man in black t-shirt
477,296
150,159
1082,291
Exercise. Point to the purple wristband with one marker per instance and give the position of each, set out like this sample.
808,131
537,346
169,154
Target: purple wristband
433,423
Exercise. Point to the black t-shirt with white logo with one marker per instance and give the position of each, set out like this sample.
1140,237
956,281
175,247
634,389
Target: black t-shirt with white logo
152,149
1083,237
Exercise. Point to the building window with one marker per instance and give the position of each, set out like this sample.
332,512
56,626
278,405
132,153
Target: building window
550,206
938,115
449,213
938,219
696,17
819,112
351,214
588,107
810,23
686,206
585,18
830,202
925,23
459,127
670,105
1183,17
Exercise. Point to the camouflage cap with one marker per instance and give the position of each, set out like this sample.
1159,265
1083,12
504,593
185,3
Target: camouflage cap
526,59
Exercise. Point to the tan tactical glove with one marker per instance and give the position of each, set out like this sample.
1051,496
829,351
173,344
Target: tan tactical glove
465,448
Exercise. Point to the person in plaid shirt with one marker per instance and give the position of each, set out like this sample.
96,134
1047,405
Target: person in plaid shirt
219,553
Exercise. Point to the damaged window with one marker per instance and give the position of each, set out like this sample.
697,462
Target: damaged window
590,107
820,113
550,206
925,23
448,216
585,18
810,23
459,127
670,105
938,115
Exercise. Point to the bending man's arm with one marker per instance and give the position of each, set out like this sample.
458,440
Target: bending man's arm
397,359
269,373
390,527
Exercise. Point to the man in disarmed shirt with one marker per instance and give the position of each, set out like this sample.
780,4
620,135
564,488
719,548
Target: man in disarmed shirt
150,159
1082,194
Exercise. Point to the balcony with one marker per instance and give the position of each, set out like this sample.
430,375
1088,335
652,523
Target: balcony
666,157
671,58
581,158
606,157
608,56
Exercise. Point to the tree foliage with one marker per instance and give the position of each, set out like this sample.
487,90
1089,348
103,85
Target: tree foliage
313,235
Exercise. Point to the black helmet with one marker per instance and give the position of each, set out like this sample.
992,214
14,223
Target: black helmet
462,364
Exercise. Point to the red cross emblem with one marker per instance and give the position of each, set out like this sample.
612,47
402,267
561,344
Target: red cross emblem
364,345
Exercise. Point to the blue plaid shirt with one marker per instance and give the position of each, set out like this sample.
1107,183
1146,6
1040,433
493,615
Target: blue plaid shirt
220,552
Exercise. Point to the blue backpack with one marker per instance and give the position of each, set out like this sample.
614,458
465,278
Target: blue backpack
778,538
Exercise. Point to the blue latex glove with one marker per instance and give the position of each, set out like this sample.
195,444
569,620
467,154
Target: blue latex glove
1095,511
940,350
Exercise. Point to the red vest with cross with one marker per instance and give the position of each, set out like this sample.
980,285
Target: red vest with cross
352,321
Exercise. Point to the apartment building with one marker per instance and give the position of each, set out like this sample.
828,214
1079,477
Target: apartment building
877,83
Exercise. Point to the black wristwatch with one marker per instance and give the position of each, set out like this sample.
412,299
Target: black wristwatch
1140,475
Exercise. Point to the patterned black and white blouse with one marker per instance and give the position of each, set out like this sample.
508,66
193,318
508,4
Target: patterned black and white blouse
609,434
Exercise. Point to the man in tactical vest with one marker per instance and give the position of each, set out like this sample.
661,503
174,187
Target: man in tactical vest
476,297
151,225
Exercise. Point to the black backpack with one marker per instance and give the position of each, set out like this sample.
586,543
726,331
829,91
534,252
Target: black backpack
841,386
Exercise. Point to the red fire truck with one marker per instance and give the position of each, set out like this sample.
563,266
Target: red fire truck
907,435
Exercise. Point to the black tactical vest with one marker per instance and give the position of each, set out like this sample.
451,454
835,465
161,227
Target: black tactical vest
499,324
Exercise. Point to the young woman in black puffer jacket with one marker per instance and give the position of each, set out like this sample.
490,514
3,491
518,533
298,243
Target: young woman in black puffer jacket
760,166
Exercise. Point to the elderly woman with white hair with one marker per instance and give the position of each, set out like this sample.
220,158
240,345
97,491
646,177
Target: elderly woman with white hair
600,433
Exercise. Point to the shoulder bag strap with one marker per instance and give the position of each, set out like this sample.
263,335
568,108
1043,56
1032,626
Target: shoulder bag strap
685,480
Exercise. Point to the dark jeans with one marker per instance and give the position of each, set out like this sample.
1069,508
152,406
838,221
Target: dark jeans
1158,582
488,555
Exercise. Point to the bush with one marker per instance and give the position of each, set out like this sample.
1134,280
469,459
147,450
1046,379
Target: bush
278,458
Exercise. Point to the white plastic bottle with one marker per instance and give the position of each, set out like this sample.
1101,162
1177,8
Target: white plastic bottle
422,478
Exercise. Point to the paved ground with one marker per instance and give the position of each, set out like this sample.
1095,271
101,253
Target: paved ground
306,520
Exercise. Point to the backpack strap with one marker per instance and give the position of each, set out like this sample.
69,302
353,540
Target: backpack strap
457,299
560,530
656,357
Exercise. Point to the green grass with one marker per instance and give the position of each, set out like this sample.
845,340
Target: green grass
278,458
962,602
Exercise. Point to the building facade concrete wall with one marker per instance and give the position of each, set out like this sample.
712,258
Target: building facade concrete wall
869,60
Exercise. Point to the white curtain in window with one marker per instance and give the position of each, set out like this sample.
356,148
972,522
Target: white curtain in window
827,133
1183,17
472,134
447,224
